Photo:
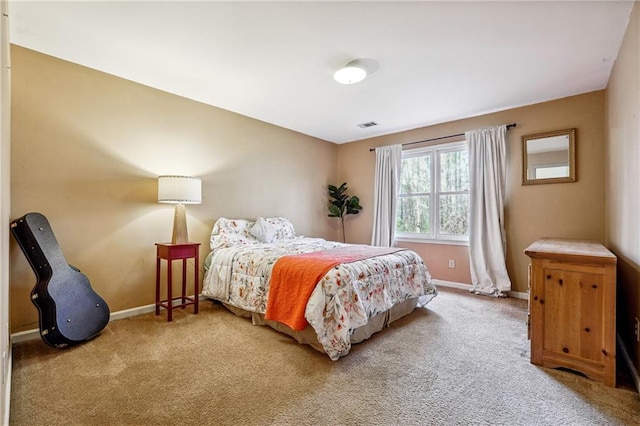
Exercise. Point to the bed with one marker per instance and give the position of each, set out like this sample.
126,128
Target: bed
348,302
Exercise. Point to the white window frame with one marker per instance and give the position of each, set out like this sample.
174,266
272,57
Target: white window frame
434,236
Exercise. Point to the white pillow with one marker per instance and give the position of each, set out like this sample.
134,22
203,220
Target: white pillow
263,230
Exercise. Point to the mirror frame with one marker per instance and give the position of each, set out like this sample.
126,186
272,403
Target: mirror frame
572,157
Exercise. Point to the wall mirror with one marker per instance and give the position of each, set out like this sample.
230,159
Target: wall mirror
549,157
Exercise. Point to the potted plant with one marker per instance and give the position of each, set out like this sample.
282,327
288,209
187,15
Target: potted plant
341,204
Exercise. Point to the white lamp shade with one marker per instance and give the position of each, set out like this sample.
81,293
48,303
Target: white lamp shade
179,189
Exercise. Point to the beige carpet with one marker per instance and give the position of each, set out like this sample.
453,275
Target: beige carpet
464,360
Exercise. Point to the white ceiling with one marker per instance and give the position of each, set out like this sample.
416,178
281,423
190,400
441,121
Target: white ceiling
274,61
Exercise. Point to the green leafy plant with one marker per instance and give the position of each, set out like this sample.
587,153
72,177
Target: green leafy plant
341,204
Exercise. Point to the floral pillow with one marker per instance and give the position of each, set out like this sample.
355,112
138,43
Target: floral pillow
263,231
235,232
231,232
284,228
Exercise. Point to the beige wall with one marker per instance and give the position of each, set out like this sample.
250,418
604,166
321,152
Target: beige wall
87,148
569,210
623,179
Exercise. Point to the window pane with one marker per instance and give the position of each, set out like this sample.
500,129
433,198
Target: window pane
413,215
454,214
454,171
416,175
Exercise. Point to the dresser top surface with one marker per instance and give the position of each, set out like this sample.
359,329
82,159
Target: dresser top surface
558,248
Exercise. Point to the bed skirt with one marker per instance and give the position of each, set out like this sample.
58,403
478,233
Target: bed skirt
308,335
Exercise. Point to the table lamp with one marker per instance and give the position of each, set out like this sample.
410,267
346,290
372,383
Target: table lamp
179,190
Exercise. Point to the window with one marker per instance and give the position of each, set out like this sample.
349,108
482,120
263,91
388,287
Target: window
434,194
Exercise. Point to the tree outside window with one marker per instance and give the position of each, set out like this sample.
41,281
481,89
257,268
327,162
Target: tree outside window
434,194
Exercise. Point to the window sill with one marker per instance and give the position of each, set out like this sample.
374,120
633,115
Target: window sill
426,241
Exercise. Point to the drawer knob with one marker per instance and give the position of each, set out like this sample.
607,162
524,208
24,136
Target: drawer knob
565,350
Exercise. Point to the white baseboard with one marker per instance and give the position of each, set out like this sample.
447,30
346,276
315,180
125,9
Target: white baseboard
126,313
462,286
452,284
23,336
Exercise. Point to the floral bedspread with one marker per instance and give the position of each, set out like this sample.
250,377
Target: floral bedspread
344,299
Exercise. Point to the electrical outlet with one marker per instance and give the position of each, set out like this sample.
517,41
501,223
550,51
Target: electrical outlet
452,263
636,329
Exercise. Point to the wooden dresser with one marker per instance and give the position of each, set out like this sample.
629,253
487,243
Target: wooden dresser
572,307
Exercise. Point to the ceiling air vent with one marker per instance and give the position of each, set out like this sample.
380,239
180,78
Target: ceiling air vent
369,124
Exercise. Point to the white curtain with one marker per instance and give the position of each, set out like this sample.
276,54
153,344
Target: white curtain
387,184
487,239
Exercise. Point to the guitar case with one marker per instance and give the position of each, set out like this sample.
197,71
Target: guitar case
70,311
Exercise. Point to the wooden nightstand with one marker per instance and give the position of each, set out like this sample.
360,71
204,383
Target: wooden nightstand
171,252
572,303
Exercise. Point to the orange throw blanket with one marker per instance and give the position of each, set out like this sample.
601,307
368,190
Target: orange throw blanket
294,277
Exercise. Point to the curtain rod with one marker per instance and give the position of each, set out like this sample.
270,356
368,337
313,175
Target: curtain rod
509,126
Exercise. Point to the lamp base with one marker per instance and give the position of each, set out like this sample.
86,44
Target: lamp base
180,235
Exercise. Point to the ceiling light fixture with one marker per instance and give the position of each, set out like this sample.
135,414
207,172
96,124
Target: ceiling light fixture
356,71
351,73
